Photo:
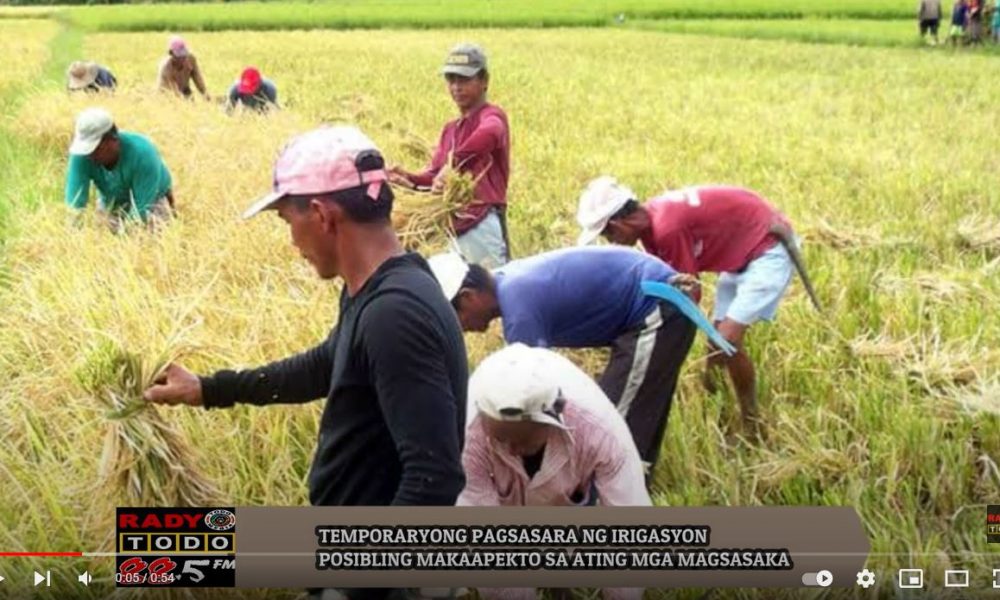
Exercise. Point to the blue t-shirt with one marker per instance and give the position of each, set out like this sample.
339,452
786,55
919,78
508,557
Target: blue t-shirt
576,297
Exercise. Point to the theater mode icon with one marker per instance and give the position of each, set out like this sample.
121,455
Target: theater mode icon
911,579
996,579
959,578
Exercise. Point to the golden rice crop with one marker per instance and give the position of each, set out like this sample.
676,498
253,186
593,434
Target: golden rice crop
23,46
836,135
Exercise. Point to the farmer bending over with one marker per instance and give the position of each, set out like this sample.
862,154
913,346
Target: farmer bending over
543,434
253,92
715,229
585,298
132,181
478,142
393,370
89,76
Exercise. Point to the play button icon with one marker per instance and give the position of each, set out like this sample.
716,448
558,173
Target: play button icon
824,578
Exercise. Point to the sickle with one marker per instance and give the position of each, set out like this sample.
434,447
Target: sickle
689,309
787,239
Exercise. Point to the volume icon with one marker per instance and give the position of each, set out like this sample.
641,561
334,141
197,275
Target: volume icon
84,578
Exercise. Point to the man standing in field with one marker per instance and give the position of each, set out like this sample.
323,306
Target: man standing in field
478,142
929,16
179,68
132,181
393,370
544,434
715,229
585,298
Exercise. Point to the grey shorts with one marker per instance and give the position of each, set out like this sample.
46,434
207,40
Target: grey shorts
484,244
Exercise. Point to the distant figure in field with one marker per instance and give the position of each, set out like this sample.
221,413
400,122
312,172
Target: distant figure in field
975,22
959,13
87,76
478,142
996,22
132,181
253,92
929,15
179,68
707,229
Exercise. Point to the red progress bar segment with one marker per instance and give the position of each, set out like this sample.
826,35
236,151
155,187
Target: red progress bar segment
41,553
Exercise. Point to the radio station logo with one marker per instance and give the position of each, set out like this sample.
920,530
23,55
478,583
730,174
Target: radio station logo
220,520
993,523
176,547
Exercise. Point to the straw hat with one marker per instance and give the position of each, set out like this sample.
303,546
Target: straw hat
81,74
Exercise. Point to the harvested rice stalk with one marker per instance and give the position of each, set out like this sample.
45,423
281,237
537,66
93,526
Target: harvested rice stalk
146,460
979,232
843,239
938,287
425,219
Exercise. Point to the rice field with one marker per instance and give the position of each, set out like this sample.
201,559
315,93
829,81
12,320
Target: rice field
379,14
883,158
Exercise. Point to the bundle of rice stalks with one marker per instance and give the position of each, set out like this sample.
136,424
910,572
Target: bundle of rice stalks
938,287
424,219
982,397
844,239
880,347
980,233
146,461
930,363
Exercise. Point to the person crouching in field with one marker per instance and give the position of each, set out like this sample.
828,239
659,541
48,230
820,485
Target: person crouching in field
88,76
929,17
393,370
179,68
585,298
713,229
252,92
478,142
132,181
544,434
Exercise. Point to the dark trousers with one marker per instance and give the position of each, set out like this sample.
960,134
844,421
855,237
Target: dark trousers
641,376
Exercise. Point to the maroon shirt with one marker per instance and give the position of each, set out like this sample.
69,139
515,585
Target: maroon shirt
712,229
480,142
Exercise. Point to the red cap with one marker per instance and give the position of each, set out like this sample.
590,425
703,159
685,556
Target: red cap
249,81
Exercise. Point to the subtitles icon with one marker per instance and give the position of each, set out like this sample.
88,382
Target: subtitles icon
911,579
996,579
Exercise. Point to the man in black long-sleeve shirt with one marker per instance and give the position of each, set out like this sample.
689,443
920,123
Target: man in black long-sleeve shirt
393,370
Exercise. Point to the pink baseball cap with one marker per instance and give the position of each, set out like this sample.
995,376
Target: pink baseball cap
178,47
324,160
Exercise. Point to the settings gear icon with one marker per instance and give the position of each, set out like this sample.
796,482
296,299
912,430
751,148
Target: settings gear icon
866,578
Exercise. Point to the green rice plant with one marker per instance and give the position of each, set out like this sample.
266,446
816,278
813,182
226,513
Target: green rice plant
478,13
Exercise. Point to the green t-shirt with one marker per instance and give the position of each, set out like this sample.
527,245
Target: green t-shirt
134,184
